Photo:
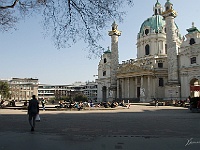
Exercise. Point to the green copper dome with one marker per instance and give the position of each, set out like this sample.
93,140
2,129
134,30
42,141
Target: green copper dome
108,51
155,23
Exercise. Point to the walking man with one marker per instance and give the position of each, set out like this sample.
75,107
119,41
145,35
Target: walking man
43,104
33,110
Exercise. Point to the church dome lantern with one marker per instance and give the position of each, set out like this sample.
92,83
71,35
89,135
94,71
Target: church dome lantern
154,24
157,9
168,5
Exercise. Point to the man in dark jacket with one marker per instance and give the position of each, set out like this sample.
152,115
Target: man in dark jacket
33,110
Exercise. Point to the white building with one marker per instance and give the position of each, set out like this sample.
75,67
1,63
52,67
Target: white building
90,91
47,91
167,66
23,88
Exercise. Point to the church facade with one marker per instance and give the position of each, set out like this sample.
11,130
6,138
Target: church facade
167,65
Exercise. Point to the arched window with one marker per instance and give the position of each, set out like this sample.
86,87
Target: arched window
156,12
147,49
192,41
146,31
105,60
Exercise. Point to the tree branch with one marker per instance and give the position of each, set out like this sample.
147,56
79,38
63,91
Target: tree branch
11,6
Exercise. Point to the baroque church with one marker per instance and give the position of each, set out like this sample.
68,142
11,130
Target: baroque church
167,65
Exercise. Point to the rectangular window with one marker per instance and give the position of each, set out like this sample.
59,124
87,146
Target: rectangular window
161,82
104,73
160,65
193,60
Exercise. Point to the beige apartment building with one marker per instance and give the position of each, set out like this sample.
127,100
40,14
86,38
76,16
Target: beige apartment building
23,88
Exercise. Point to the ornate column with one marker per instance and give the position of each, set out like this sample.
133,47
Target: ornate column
128,86
172,85
169,16
142,90
149,89
135,86
114,58
118,87
141,81
122,87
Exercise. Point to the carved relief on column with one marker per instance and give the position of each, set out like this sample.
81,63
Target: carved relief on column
172,65
114,33
171,37
170,27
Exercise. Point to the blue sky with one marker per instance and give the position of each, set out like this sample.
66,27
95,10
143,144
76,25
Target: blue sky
27,53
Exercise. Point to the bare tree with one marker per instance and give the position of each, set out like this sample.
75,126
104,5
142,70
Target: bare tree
68,20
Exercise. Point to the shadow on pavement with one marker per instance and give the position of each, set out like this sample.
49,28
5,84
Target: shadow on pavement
83,130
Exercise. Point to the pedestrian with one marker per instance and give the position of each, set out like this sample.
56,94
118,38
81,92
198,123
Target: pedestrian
43,104
128,106
33,110
156,103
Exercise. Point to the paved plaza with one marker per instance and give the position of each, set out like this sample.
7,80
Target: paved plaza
138,128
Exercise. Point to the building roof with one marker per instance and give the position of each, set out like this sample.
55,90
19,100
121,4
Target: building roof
193,29
108,51
155,22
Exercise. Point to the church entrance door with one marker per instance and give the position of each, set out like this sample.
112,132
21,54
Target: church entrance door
104,93
138,92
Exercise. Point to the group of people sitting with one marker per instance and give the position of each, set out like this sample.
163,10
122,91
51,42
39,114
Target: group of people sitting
81,105
70,105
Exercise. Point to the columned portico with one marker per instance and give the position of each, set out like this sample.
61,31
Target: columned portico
118,88
128,87
135,87
149,89
136,80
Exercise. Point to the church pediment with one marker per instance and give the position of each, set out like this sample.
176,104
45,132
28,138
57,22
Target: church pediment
131,68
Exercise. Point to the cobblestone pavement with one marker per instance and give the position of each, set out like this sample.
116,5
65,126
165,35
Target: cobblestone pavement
140,127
